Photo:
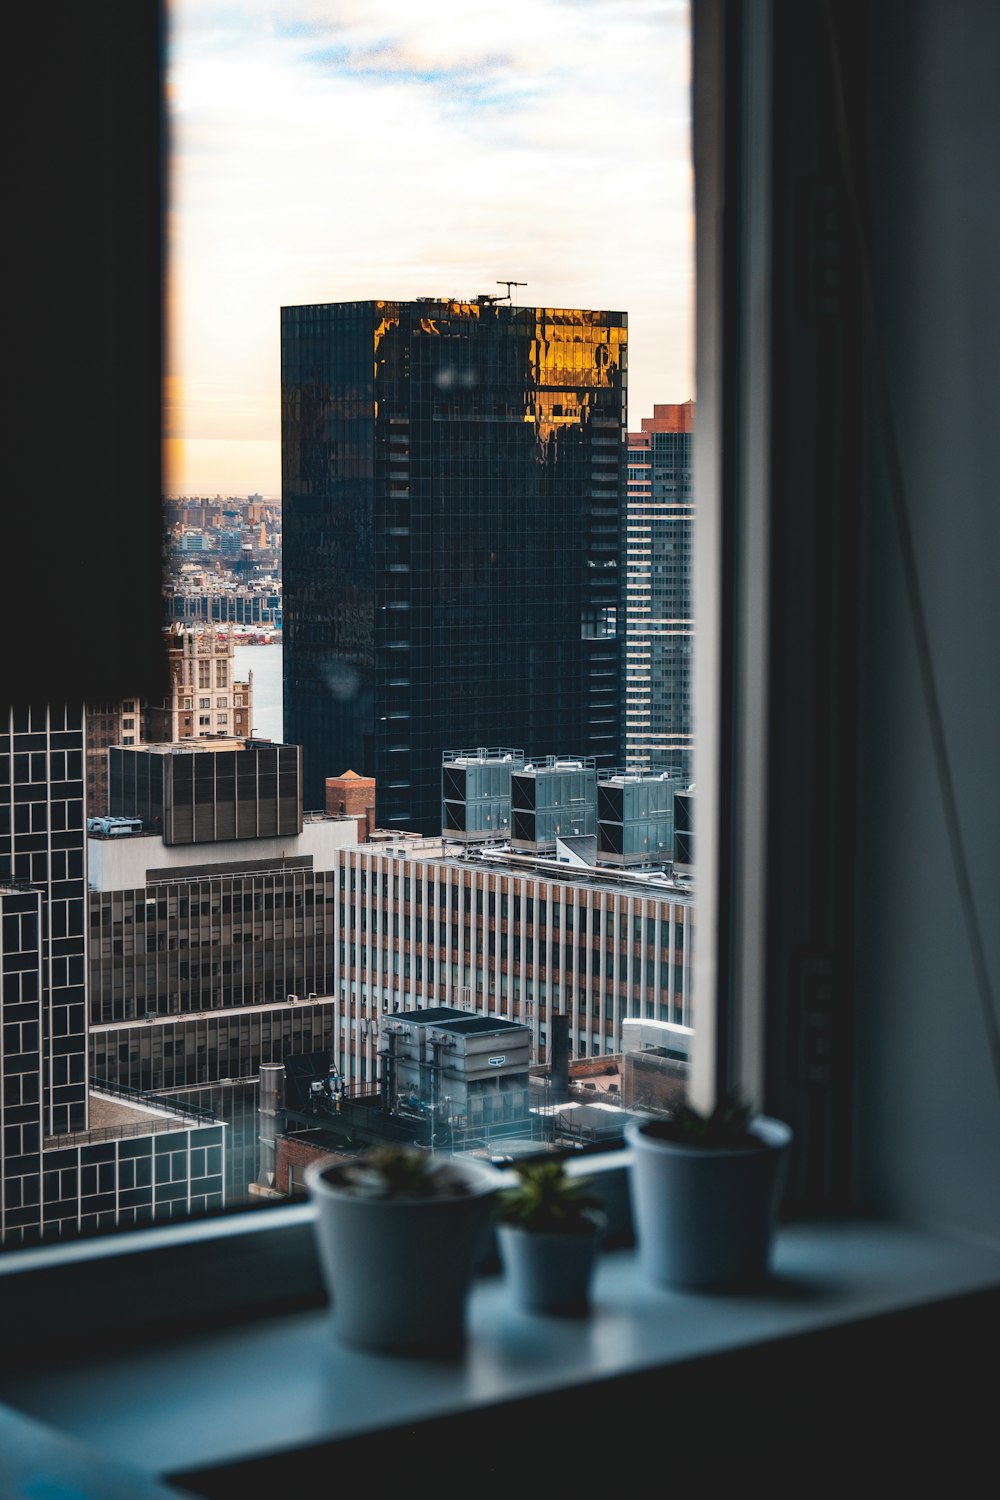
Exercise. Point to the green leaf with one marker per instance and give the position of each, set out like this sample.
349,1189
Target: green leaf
547,1200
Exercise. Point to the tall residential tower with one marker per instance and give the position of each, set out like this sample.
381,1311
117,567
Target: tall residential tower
452,510
658,619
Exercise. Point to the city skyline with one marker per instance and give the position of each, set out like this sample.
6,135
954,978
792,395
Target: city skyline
337,151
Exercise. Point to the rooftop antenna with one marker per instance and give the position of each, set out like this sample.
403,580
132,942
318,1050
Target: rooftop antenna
508,285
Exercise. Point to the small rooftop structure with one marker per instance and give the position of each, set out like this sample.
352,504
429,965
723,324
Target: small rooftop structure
635,817
470,1069
552,800
111,828
476,795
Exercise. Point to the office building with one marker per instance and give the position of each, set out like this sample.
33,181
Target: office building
203,974
452,493
659,628
507,936
212,927
74,1156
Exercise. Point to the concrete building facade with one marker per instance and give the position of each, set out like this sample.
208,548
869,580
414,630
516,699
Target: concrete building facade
205,698
205,977
513,937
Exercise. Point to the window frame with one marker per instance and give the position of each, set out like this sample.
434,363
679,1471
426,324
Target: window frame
732,49
730,731
87,1293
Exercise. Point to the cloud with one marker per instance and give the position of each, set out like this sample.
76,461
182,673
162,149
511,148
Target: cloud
331,151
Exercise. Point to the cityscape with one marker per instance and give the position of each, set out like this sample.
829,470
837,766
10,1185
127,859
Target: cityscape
425,747
478,833
424,757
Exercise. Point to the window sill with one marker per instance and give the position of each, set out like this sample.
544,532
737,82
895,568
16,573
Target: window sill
860,1316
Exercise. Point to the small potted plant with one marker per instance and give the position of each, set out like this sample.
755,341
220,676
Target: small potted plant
706,1189
400,1232
549,1228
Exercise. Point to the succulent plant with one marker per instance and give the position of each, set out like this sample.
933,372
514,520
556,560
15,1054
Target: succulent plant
547,1200
398,1170
726,1125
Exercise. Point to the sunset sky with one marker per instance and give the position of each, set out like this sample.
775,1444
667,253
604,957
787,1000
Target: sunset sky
333,150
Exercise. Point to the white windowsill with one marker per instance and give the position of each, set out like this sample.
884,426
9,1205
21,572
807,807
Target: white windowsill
281,1384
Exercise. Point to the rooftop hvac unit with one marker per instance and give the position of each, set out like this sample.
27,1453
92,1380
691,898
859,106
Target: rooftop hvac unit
292,999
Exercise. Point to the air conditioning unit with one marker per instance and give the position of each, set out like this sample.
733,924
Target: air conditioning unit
292,999
311,995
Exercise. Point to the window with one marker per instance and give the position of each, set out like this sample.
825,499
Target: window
897,997
879,926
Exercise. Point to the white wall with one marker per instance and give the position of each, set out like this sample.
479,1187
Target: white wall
120,864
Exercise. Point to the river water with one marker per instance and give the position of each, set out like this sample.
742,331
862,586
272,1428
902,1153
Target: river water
265,664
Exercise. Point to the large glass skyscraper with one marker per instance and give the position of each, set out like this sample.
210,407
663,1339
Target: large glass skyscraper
452,476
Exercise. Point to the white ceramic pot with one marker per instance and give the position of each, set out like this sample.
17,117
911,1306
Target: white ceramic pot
704,1216
550,1273
398,1270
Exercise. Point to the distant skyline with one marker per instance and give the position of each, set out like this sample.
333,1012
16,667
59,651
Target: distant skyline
339,150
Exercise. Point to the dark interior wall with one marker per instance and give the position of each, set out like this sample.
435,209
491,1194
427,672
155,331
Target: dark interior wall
882,325
82,353
928,1098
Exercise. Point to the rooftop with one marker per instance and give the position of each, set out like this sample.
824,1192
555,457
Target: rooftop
457,1020
206,742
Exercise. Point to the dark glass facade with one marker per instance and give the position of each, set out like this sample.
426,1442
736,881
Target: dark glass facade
208,796
207,1049
453,475
58,1177
225,941
42,845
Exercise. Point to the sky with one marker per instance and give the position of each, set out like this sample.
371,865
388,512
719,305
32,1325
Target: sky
339,150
